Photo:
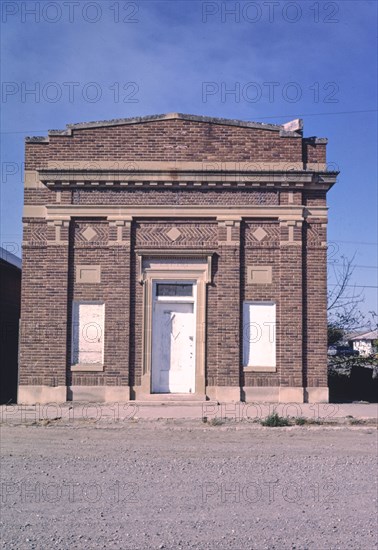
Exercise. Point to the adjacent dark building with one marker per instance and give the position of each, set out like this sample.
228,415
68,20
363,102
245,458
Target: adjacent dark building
10,302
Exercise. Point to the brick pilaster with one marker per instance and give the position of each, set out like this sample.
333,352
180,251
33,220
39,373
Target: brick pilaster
228,283
290,322
315,311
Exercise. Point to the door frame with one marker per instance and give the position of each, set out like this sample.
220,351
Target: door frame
167,300
171,266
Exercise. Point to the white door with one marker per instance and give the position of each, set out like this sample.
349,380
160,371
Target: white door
173,347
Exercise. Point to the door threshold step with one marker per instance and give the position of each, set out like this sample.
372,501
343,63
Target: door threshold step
169,403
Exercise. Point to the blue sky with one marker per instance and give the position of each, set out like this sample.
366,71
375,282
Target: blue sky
102,60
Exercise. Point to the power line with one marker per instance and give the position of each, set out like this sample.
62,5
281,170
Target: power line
355,265
320,114
23,131
255,118
355,286
352,242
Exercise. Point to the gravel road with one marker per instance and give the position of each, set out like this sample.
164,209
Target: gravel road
186,485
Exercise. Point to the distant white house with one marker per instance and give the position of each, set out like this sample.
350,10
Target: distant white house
364,342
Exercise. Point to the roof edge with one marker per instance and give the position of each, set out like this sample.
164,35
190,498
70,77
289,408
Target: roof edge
10,258
284,129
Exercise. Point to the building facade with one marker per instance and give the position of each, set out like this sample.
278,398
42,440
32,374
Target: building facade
175,257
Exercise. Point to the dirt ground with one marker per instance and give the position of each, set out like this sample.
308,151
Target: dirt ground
187,485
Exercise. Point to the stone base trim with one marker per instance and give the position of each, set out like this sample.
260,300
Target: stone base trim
273,394
261,394
227,394
317,395
99,394
291,395
31,395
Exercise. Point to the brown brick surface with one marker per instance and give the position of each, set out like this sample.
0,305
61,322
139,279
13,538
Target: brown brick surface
172,140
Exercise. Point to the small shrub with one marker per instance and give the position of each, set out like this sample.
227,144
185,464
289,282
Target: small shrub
300,421
216,422
275,421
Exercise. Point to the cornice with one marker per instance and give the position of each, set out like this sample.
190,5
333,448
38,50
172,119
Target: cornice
134,179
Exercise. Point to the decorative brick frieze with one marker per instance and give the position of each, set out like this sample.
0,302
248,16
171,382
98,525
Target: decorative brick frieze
260,234
92,233
316,234
37,233
188,234
173,197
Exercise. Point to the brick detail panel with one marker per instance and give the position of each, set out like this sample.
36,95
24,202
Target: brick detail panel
173,197
261,234
189,234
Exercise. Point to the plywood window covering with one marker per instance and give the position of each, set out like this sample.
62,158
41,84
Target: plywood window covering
259,334
88,333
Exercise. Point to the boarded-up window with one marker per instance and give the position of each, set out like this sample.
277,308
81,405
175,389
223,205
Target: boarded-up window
87,333
259,334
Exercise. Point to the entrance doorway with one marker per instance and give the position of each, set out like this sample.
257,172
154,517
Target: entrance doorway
173,353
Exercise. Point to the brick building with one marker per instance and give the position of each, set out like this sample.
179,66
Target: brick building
175,257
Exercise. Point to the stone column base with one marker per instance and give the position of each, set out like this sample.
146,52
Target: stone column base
290,394
31,395
99,394
261,394
317,395
273,394
226,394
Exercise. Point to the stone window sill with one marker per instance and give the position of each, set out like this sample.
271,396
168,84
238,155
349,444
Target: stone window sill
87,368
259,369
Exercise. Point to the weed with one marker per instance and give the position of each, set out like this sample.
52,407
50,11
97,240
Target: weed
275,421
216,422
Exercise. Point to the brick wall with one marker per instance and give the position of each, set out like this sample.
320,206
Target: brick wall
43,347
171,140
